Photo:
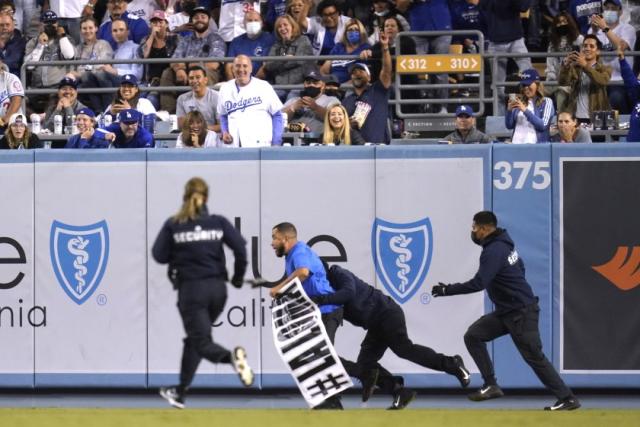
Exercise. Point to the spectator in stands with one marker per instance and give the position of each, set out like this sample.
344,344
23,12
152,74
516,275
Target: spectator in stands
90,75
337,130
309,109
588,78
195,133
249,100
68,13
22,12
18,134
611,33
353,42
232,17
125,49
504,31
466,16
325,29
13,94
180,22
128,97
290,43
144,9
564,36
431,15
88,136
583,10
52,44
383,9
203,43
200,98
569,130
159,44
530,113
332,87
127,132
12,44
299,11
466,131
368,105
65,103
255,42
138,28
275,9
632,85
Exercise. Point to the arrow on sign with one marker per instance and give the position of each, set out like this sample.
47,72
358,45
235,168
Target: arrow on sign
474,62
402,62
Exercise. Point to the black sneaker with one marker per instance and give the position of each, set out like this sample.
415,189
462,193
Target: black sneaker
566,404
402,398
240,364
486,392
461,373
173,396
369,380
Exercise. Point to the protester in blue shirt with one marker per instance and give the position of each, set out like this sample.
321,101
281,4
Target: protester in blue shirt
88,136
127,132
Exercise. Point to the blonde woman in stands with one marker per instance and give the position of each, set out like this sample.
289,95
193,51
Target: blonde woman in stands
337,129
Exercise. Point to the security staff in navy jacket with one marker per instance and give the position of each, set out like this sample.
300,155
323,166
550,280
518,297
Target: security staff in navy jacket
192,243
501,273
384,321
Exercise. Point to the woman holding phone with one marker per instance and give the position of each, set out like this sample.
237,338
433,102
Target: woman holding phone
529,113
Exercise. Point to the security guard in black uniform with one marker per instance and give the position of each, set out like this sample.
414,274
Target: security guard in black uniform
501,273
384,321
191,242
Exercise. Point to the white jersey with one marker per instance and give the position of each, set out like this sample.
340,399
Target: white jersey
67,8
249,110
143,9
232,17
10,85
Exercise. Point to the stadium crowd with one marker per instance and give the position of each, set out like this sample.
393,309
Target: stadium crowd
236,99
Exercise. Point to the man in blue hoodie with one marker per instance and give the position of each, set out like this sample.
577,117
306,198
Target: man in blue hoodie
501,273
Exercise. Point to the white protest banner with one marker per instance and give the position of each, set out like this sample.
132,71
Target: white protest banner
304,346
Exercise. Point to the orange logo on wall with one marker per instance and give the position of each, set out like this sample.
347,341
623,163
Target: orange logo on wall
623,270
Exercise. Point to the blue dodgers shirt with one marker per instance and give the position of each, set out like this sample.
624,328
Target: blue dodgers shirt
301,256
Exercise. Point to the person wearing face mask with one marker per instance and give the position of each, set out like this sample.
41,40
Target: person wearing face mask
354,41
309,108
502,274
383,9
612,33
255,42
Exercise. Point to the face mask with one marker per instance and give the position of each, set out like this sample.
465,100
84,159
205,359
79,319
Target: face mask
475,240
353,37
50,31
310,91
383,13
253,28
333,92
562,30
610,16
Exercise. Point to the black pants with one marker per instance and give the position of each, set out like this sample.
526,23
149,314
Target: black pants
522,325
200,303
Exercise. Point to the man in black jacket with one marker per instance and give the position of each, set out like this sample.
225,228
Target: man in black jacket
384,321
501,273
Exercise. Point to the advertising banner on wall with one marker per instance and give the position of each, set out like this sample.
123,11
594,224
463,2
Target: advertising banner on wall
19,316
90,239
233,177
599,260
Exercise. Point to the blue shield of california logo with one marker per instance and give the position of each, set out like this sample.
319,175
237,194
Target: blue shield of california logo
402,255
79,257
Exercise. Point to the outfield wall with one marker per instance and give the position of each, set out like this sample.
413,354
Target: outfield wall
82,304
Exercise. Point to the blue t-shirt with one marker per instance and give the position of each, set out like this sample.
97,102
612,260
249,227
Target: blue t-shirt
465,16
258,47
138,29
97,140
329,42
275,8
340,67
302,256
430,15
581,11
141,139
375,128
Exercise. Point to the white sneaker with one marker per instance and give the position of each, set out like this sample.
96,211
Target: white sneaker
240,364
171,395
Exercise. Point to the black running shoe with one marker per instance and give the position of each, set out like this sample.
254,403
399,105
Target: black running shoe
486,392
566,404
402,398
173,396
461,373
369,380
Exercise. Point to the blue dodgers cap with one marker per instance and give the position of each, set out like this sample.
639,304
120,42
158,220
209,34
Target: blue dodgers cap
361,66
129,79
129,116
529,76
464,110
616,2
48,16
87,112
68,81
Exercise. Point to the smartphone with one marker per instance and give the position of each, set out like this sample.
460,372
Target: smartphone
512,97
576,49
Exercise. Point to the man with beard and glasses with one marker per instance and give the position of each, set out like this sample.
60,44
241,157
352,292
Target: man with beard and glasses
368,105
501,273
138,28
202,43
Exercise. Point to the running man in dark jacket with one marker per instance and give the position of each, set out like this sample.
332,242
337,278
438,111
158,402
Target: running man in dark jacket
384,321
501,273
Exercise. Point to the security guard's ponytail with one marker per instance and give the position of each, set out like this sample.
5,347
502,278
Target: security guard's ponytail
196,192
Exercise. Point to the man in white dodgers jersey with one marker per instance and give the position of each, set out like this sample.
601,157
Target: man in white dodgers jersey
11,95
249,109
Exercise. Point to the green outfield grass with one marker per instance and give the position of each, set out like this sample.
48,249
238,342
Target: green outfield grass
305,418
